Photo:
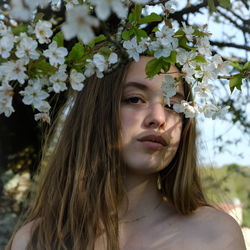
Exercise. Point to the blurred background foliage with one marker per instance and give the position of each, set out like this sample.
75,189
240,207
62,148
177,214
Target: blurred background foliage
21,138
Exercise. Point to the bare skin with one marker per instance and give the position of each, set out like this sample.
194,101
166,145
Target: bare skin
148,222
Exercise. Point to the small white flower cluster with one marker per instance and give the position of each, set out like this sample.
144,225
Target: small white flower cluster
199,75
41,72
25,49
99,64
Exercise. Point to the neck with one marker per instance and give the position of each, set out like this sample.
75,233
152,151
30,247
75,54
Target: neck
142,197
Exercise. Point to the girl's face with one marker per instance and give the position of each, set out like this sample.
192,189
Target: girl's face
150,129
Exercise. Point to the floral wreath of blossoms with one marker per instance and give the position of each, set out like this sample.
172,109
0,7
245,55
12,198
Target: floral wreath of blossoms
41,72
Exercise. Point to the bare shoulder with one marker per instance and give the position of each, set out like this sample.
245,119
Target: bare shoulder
219,229
22,237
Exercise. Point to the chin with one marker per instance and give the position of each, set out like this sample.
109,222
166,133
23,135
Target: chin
144,167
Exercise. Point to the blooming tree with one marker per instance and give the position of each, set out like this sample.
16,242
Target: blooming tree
46,48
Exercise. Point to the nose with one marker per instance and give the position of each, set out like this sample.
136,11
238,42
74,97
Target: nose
156,116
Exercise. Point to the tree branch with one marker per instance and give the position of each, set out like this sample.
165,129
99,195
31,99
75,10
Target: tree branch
243,28
232,45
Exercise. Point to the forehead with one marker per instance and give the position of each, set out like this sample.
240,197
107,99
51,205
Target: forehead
136,73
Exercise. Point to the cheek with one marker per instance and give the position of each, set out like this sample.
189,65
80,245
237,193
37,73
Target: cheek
174,133
128,120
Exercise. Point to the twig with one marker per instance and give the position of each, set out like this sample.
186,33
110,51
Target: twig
243,28
233,45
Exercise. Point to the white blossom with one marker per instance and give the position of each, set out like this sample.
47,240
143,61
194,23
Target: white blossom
183,56
76,80
141,1
143,44
6,96
159,49
21,36
220,65
203,89
103,8
44,112
133,49
58,80
113,58
209,110
55,5
207,72
188,31
169,6
71,3
33,4
169,88
6,45
43,31
3,29
56,55
78,23
33,93
26,49
14,71
188,73
43,117
185,107
165,43
90,68
44,106
19,11
203,46
220,113
100,62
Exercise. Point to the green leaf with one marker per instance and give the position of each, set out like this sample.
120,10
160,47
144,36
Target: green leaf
155,29
153,17
59,39
199,33
137,12
211,6
126,34
76,52
183,43
199,59
105,51
131,17
165,65
153,67
225,3
236,65
19,29
40,68
3,60
246,66
96,40
39,16
140,33
100,38
179,32
171,59
235,82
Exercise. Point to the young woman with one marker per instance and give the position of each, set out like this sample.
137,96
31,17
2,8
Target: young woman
124,175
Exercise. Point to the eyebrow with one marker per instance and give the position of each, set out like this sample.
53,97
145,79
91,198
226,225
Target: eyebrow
145,87
136,85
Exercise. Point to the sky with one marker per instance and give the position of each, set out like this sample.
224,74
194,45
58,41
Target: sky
209,129
207,145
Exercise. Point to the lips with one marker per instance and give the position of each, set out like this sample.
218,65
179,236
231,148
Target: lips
153,141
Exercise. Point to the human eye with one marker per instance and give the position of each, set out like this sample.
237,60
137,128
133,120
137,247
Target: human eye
170,107
133,100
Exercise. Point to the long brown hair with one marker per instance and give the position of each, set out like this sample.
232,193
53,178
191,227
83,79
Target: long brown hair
80,189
